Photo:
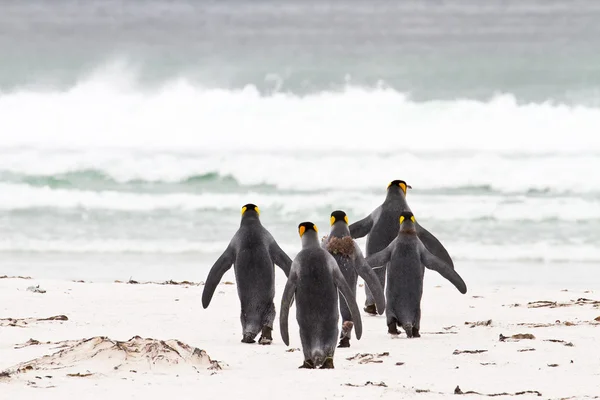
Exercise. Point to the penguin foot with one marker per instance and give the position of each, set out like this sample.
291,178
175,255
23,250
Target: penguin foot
265,336
248,339
346,329
409,330
307,364
265,341
371,309
345,342
328,363
415,332
393,329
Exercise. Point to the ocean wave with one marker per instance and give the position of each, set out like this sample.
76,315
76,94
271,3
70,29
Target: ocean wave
110,110
356,203
98,180
444,173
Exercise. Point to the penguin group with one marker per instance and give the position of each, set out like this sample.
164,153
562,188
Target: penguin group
322,278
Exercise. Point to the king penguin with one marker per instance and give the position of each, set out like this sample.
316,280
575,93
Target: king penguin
406,258
314,282
382,226
253,252
352,263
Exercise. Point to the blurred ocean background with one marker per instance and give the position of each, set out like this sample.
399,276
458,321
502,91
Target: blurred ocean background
132,132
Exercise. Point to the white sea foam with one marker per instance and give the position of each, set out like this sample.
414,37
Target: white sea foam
109,109
541,252
496,161
110,246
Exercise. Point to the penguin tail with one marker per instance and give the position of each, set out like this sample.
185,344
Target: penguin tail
318,357
408,328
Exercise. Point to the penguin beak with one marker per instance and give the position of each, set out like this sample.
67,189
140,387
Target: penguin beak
332,220
302,230
404,186
244,209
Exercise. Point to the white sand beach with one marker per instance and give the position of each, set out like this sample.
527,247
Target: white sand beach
460,346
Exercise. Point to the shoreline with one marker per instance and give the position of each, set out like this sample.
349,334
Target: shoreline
103,268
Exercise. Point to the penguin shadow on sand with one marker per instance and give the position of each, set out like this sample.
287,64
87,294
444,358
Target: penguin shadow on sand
381,228
314,282
352,263
406,258
253,252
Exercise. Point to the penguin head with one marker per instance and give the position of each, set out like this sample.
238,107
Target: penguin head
308,233
407,222
398,185
338,216
339,224
250,210
306,227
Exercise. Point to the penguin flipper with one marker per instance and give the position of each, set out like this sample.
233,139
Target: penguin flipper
362,227
434,263
381,258
280,258
371,280
287,299
433,245
215,274
344,289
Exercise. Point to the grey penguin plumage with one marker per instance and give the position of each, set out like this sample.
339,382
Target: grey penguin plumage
253,252
406,258
314,282
382,226
352,263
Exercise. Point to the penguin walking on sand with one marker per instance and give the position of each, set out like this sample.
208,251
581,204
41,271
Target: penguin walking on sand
253,252
314,282
382,226
351,262
406,258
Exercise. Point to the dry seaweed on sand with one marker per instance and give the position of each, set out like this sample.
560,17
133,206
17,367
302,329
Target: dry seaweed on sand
479,323
168,282
516,337
456,352
564,342
557,323
582,301
292,350
30,342
366,358
24,322
368,383
80,375
15,277
458,390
